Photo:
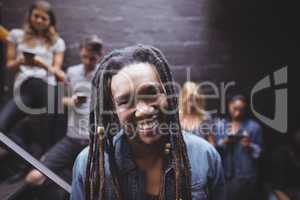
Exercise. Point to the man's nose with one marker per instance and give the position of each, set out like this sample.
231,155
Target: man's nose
39,20
143,110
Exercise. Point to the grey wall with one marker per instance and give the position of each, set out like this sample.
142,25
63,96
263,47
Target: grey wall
189,32
234,40
209,36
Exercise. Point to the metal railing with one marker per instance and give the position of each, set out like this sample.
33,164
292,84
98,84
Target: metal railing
34,162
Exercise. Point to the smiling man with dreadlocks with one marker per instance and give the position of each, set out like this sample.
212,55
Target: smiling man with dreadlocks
137,150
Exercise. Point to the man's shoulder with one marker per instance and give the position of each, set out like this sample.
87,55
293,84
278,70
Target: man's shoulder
74,69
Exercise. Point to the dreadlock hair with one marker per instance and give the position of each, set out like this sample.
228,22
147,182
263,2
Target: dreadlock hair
102,98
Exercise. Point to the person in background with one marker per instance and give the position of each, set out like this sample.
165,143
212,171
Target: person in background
239,140
35,53
285,168
193,117
60,157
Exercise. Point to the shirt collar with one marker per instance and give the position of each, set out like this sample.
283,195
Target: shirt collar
124,157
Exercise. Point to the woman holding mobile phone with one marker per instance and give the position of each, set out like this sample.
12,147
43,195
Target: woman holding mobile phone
36,54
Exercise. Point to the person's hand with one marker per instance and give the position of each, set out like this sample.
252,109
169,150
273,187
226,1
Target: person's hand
68,101
39,63
75,100
36,178
59,74
71,101
246,141
21,61
31,61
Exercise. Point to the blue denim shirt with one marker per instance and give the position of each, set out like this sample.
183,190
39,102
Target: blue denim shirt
206,171
239,162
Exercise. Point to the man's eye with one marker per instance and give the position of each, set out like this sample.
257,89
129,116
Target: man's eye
125,103
121,102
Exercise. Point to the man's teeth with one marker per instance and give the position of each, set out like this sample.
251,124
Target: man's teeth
148,125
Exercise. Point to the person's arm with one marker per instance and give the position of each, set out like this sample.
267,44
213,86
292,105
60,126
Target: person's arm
281,195
12,62
221,137
55,68
57,65
58,58
254,143
71,101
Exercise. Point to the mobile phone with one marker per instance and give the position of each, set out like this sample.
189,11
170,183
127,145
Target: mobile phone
28,54
82,97
235,138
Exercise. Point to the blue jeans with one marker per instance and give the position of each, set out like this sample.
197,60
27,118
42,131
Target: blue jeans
33,95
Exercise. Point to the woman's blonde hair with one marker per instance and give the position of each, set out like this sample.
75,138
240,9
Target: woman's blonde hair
191,91
50,34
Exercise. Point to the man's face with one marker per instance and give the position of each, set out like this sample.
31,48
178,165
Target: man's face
139,99
237,109
89,58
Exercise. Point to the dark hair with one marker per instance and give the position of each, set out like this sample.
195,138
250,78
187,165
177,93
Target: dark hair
95,176
238,97
92,43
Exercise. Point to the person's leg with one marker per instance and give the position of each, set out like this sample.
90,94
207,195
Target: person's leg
59,159
32,95
63,154
20,132
74,147
11,114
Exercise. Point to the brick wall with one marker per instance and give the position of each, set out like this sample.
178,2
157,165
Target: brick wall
236,40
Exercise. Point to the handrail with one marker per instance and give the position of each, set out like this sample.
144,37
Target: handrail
34,162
